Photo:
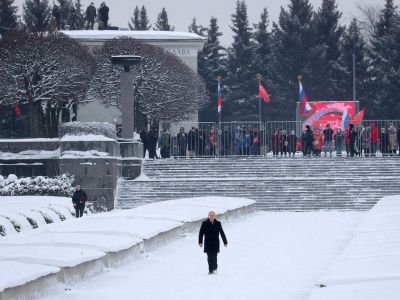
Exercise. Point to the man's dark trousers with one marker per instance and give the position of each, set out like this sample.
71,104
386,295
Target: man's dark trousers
212,262
79,211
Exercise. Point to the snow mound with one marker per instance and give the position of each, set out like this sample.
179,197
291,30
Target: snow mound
370,265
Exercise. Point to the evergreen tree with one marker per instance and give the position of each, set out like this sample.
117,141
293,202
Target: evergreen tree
262,57
241,101
328,35
78,21
134,24
37,14
8,16
197,29
294,50
144,20
162,22
211,62
263,44
353,44
385,62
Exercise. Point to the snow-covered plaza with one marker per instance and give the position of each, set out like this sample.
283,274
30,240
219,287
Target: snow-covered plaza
270,255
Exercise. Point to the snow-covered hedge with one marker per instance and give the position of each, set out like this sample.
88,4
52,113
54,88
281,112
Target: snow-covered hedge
44,186
82,128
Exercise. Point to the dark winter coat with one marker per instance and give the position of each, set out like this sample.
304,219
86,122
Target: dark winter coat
56,13
309,137
211,232
352,136
192,140
292,142
79,198
143,137
182,140
103,13
328,135
91,13
152,139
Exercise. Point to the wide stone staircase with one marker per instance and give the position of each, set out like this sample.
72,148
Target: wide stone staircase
297,184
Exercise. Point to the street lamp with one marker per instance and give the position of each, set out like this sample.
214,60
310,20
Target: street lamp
127,92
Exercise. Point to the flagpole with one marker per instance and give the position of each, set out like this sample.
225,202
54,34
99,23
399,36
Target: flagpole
219,78
259,99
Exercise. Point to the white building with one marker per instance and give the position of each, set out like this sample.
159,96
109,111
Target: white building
184,45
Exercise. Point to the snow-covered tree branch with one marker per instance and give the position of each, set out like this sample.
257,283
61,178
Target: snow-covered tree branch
47,73
165,88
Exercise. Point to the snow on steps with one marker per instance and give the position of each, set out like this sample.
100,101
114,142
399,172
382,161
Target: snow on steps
65,253
369,268
276,184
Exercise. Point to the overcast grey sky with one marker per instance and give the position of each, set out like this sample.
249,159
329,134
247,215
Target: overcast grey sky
181,12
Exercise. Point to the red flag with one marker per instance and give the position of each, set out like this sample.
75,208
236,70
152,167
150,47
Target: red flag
358,117
17,110
262,93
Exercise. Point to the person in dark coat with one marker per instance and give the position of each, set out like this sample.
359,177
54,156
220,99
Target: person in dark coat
103,14
308,140
292,143
79,199
56,13
211,229
352,140
398,137
152,138
182,138
384,142
143,137
192,142
91,15
328,137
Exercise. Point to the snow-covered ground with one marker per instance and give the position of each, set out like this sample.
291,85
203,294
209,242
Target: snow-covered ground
101,240
269,256
369,267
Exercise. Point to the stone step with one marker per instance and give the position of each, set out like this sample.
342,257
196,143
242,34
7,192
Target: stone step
277,184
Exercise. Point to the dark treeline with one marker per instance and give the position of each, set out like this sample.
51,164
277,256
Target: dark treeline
305,40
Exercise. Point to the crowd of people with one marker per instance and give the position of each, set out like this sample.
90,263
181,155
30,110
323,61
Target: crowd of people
92,15
252,141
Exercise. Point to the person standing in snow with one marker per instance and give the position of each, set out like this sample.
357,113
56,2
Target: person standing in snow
79,199
103,15
91,15
211,229
143,138
328,137
152,138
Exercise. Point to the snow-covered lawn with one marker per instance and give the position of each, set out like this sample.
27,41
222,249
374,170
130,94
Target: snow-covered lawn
270,256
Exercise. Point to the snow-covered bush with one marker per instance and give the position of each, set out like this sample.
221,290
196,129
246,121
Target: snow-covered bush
44,186
85,128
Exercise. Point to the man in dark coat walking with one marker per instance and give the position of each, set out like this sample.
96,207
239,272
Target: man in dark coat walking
211,229
79,199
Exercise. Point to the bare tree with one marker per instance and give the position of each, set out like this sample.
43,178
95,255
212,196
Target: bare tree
48,73
165,88
369,17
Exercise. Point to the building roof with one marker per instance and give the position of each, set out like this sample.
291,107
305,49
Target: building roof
104,35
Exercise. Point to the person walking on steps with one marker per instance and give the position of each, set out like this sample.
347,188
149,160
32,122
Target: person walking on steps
211,229
79,199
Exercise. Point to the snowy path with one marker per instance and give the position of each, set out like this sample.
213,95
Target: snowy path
270,256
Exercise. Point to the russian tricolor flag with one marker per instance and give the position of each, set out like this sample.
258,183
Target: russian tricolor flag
305,107
345,120
219,101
